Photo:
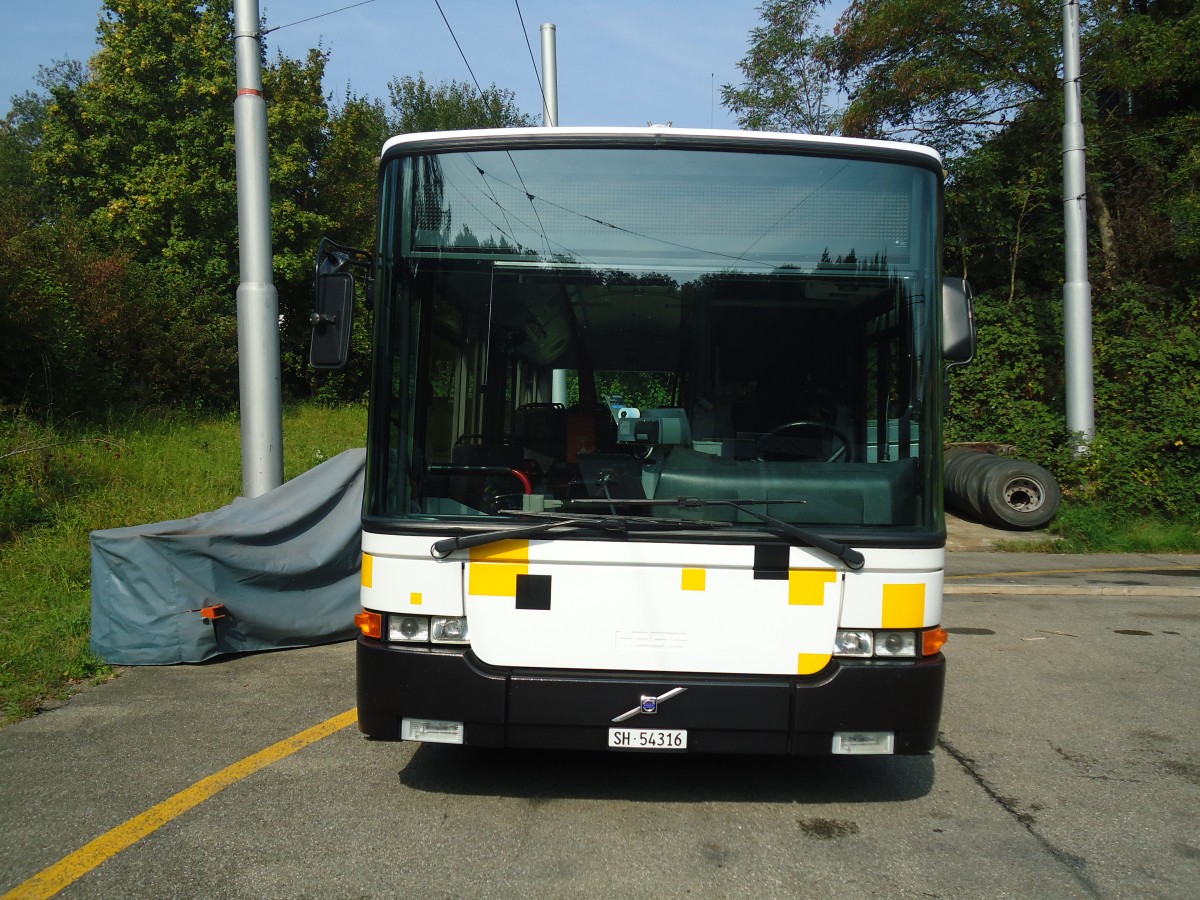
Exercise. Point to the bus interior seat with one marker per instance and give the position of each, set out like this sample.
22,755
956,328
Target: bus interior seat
487,450
541,428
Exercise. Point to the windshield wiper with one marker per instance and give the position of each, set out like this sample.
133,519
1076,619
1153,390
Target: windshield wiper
848,555
621,525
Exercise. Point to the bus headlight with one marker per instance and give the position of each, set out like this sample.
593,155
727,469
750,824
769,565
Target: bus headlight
403,628
408,628
853,642
896,643
867,642
448,630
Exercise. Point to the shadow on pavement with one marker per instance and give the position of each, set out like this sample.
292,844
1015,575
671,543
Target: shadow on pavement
538,775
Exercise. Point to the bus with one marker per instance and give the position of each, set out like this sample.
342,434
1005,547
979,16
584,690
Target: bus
654,453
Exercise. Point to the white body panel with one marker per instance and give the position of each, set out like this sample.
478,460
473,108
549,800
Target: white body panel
652,606
516,137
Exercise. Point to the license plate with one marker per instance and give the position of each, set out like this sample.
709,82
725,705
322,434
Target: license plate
647,738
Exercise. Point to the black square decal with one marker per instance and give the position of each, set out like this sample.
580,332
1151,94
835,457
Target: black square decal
533,592
771,561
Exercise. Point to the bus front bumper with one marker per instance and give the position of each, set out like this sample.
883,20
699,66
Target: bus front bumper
554,709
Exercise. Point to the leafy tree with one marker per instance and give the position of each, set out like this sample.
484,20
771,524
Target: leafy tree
789,82
145,144
298,128
356,132
126,264
950,72
416,105
346,199
142,149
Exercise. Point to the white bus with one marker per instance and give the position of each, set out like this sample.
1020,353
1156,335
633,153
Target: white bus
654,455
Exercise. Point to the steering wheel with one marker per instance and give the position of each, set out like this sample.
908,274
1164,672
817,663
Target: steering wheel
783,443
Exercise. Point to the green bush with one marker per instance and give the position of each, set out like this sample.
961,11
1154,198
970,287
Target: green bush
1145,456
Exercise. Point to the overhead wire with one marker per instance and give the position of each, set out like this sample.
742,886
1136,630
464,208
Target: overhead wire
461,53
459,46
536,74
311,18
620,228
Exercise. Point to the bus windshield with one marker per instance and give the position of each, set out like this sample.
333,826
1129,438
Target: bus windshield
561,326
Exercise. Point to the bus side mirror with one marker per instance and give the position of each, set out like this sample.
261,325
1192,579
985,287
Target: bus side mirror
958,322
331,320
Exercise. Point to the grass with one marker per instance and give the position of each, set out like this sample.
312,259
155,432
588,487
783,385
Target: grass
59,484
1104,528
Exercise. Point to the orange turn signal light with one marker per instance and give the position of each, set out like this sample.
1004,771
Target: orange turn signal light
369,623
933,640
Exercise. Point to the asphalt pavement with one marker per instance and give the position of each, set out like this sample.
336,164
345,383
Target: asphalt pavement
981,560
1074,575
1067,766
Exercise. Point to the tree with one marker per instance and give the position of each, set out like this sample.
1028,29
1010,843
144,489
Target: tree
417,106
948,72
789,82
357,130
145,144
298,133
955,74
126,264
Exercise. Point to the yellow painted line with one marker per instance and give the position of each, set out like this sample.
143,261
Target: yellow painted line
69,869
1070,590
1080,571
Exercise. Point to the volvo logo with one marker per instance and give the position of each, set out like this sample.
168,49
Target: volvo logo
649,704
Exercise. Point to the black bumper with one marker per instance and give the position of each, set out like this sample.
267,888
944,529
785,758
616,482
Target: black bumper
552,709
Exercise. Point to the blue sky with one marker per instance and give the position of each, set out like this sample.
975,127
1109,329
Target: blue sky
620,62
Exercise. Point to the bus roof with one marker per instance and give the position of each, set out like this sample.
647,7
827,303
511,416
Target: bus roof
657,136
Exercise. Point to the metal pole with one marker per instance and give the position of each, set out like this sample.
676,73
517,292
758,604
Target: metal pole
1077,291
257,300
558,378
549,76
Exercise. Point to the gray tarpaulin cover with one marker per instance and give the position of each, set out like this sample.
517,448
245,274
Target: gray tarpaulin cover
285,566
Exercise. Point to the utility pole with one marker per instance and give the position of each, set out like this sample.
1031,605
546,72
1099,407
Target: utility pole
558,377
1077,291
257,299
549,76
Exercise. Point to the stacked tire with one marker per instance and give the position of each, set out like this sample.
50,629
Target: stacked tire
999,490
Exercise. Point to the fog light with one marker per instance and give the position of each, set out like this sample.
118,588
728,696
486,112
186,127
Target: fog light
448,630
852,642
848,743
408,628
896,643
431,731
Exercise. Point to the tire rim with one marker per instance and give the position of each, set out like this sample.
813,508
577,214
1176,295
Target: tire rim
1024,494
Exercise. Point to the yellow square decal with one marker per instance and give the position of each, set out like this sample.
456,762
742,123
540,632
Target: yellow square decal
811,663
415,599
494,568
694,579
903,605
806,587
502,551
494,579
